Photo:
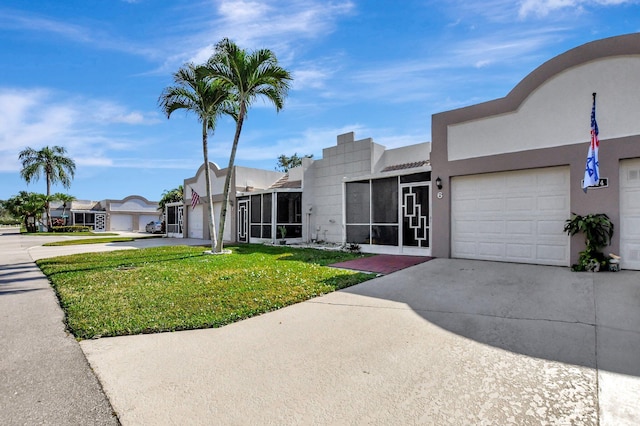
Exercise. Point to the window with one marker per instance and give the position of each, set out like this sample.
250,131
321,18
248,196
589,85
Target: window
83,218
261,216
289,214
372,211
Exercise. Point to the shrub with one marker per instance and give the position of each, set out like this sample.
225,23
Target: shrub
71,228
598,231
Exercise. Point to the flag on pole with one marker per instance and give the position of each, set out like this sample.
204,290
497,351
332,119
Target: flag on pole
592,170
195,198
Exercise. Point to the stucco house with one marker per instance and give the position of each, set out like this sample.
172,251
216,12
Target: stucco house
497,182
512,167
129,214
358,192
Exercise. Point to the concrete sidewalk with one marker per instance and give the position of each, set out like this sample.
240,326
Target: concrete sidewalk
445,342
44,376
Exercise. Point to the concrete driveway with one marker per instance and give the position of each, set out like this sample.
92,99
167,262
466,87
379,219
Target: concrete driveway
445,342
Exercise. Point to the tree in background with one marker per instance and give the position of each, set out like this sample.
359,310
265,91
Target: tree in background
66,201
246,76
207,100
28,206
285,163
171,196
6,217
53,163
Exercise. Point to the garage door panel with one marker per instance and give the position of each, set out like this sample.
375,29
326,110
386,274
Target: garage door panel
520,227
519,251
492,250
490,205
488,227
551,252
520,204
550,228
630,214
554,203
466,249
529,229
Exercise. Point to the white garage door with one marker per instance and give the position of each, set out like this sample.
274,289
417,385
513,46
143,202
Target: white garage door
121,222
195,222
511,216
630,214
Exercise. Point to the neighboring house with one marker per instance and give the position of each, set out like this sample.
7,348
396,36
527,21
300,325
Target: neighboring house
130,214
512,168
358,192
192,220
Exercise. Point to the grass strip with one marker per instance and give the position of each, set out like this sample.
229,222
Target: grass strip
178,288
89,241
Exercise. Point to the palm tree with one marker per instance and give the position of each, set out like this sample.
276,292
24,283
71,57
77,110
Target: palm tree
171,196
247,76
207,100
66,200
51,161
26,205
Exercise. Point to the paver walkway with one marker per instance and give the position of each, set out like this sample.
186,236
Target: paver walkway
382,263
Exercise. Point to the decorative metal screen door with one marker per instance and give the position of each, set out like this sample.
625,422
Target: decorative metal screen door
174,220
243,221
180,212
101,222
415,216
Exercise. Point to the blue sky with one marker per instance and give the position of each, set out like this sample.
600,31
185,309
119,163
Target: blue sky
86,75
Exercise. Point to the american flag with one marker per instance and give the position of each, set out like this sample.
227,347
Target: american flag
592,170
194,198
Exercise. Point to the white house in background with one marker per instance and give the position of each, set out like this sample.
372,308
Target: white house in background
129,214
512,167
358,192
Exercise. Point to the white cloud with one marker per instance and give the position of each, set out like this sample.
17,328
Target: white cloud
36,118
310,141
22,21
543,8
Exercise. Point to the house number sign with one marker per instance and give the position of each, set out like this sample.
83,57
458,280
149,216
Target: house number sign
602,183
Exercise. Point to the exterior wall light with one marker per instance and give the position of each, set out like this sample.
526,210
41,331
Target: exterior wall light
439,182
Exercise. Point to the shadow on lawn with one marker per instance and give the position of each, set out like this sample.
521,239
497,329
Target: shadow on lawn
306,255
116,259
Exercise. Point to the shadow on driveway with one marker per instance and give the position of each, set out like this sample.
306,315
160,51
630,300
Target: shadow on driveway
586,319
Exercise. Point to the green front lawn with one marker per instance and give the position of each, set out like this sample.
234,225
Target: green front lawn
178,288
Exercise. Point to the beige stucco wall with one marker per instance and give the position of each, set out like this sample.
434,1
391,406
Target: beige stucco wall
557,112
544,122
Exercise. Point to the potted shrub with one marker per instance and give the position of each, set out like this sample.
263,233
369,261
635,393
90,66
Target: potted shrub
283,234
598,231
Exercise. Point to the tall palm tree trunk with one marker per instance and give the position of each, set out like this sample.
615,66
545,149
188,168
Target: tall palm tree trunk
48,204
205,151
227,181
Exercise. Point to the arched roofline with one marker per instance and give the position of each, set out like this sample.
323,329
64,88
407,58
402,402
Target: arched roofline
623,45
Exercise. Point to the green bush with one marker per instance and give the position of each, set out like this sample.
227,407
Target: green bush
71,228
598,231
10,221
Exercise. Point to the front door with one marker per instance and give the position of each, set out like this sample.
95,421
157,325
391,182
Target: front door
100,222
243,221
173,222
416,218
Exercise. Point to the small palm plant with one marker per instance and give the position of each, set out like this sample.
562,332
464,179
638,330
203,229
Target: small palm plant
598,231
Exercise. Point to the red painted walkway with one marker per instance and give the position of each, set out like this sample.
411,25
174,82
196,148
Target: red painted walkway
382,263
